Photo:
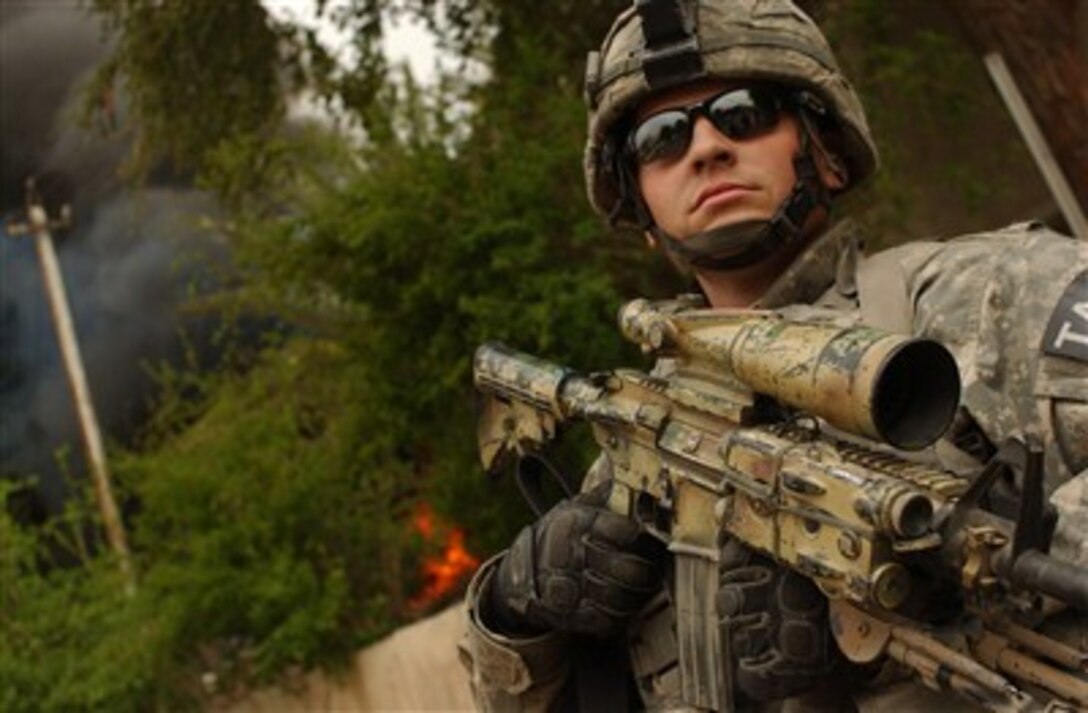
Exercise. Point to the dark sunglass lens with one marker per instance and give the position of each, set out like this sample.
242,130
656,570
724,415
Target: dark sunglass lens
744,113
662,136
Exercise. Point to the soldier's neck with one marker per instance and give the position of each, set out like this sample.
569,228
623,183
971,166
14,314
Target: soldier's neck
732,294
741,288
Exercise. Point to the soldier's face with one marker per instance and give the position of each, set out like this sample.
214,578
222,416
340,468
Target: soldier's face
717,181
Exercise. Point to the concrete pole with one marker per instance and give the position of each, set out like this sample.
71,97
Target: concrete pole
38,224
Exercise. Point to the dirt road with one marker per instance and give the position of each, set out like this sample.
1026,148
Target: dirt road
414,669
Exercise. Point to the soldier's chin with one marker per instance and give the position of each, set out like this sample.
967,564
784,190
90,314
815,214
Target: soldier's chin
737,242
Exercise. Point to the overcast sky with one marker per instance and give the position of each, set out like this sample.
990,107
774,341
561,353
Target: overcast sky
404,41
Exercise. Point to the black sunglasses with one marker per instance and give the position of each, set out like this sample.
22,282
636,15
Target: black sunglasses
740,114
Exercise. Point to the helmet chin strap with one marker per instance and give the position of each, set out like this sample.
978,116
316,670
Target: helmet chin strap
744,244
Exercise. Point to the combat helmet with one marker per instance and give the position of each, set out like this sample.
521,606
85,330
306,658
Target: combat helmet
657,44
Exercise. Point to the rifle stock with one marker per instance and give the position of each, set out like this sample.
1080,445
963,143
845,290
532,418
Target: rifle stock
707,453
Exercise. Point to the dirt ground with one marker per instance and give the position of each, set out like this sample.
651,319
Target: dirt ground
414,669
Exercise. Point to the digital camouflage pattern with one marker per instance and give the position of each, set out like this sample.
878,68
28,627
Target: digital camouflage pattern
765,40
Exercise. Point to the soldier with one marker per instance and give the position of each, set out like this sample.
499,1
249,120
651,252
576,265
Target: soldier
724,130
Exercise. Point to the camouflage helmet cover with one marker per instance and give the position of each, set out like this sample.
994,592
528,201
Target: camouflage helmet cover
764,40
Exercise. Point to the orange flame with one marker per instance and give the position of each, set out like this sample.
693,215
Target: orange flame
442,574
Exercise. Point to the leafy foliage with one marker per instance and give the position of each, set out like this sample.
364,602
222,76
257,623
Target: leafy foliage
189,89
69,638
924,90
261,520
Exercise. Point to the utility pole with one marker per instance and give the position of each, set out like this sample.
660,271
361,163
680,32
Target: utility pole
39,225
1040,150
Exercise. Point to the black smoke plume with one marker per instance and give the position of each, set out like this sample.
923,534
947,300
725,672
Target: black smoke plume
127,262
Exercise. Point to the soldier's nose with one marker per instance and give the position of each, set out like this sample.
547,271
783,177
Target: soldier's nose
708,145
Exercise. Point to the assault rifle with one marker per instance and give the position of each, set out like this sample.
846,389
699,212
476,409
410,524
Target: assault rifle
775,431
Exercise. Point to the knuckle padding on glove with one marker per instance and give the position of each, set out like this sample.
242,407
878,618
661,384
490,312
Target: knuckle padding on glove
621,568
744,590
799,641
554,535
606,596
776,623
579,568
799,596
614,529
560,591
801,635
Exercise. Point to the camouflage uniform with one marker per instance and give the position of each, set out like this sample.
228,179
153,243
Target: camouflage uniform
988,297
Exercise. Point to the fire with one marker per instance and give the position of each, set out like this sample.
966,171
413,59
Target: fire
444,572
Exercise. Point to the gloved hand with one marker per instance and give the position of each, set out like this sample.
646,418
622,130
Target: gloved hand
579,568
777,623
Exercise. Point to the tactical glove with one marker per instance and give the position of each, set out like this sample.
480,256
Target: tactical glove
580,568
777,626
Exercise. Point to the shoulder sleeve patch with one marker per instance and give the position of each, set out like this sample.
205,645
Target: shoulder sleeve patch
1067,331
